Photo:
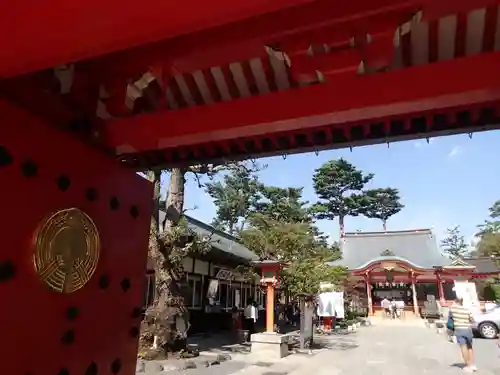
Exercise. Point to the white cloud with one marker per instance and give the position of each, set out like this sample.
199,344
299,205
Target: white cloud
455,151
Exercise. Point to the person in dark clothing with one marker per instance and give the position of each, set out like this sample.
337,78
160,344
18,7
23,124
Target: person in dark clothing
393,308
289,313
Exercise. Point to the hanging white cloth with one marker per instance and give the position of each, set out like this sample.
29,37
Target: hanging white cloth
331,304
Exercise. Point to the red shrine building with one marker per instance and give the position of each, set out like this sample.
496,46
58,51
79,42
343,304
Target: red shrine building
408,266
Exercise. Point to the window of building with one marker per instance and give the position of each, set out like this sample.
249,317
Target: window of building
260,296
238,302
222,295
230,294
187,287
246,294
425,289
192,291
197,293
234,289
449,291
212,291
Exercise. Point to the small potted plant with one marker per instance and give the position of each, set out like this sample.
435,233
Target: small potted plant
350,326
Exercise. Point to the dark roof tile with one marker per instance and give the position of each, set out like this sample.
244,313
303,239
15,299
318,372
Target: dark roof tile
220,240
415,246
483,264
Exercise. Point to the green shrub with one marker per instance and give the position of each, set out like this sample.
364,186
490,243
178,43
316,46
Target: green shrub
350,315
492,292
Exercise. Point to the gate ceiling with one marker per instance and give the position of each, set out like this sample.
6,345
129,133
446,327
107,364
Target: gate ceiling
237,80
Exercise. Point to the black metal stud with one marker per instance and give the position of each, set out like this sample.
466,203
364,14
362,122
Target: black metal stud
6,158
116,366
134,212
125,284
114,203
103,282
92,369
7,270
68,337
72,313
63,182
91,194
29,169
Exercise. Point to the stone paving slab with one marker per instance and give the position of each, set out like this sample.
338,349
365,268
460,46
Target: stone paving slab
225,368
376,350
401,350
174,366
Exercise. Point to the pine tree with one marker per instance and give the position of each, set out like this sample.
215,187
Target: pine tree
339,186
381,204
454,244
281,227
233,197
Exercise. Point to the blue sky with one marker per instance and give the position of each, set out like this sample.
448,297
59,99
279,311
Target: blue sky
446,182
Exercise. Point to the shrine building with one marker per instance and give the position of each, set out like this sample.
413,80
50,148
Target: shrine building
408,266
211,284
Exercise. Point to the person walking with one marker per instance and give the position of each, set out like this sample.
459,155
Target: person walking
250,315
386,305
461,320
394,308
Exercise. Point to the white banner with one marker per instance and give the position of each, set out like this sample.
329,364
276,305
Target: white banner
467,291
213,286
331,304
237,298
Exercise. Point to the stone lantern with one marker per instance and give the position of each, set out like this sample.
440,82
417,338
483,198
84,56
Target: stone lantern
269,342
269,270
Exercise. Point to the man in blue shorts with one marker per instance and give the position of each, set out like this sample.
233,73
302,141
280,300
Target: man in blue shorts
462,322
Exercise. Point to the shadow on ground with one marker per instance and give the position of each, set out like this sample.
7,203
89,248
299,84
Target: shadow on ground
339,342
227,343
218,343
458,365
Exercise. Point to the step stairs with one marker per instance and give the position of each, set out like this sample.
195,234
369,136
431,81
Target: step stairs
408,319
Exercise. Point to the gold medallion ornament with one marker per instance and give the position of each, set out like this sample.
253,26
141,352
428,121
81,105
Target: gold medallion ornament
67,248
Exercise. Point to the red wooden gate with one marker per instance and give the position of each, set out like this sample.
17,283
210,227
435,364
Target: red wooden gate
74,230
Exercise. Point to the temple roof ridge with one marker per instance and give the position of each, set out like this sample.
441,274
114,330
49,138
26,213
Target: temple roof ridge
388,232
416,246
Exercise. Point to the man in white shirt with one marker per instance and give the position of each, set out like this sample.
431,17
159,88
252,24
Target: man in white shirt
251,315
386,305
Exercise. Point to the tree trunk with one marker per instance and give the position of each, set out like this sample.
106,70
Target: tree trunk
384,225
341,226
157,257
174,204
163,316
174,208
231,227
